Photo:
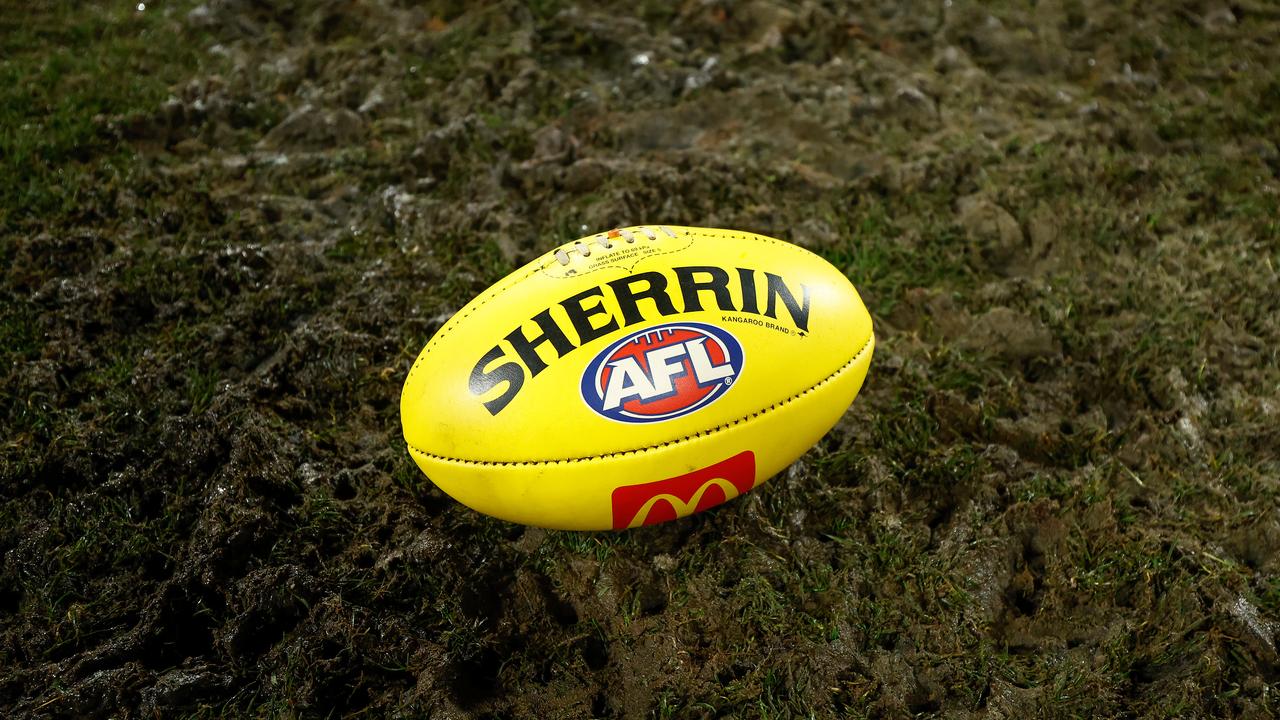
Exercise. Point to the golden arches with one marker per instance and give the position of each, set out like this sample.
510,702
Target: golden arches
681,507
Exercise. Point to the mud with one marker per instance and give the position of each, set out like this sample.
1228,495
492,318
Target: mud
1056,496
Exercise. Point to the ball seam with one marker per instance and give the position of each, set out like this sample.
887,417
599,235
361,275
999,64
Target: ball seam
659,446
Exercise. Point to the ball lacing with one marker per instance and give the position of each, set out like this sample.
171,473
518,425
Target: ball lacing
584,248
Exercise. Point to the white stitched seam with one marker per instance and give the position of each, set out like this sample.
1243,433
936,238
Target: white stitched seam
659,446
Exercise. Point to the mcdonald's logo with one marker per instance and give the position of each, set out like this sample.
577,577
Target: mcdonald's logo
654,502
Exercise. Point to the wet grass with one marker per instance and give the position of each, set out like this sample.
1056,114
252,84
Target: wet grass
67,73
200,387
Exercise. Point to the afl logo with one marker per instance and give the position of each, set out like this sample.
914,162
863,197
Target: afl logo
662,372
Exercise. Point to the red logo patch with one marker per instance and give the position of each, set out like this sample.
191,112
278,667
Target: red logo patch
654,502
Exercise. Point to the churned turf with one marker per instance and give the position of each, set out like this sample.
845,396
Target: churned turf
227,228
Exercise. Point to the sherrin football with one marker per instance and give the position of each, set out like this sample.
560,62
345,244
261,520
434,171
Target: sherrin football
636,376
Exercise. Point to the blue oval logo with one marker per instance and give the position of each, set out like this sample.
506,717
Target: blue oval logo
662,372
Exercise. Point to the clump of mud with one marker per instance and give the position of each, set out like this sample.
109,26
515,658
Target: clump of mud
1057,494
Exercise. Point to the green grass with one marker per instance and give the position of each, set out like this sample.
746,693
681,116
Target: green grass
923,529
873,252
68,73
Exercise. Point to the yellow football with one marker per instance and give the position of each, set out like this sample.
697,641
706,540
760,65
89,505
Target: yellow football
636,376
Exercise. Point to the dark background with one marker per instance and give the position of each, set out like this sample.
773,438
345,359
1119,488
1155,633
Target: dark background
228,228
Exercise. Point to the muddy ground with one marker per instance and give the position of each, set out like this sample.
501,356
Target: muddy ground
229,227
